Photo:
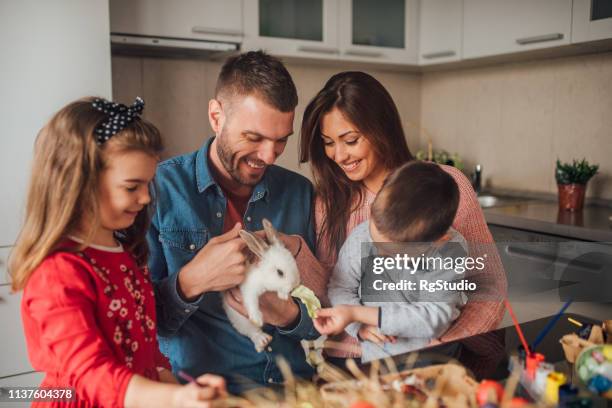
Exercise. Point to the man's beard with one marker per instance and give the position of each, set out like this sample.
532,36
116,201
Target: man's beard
231,165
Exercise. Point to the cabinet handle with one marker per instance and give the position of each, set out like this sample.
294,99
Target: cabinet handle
439,54
539,38
318,50
218,31
359,53
544,257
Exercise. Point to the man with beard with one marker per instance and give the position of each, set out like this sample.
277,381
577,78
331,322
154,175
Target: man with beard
203,199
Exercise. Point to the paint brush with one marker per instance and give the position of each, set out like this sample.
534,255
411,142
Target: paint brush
517,327
551,324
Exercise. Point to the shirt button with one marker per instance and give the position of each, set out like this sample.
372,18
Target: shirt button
249,219
270,380
192,246
186,310
219,215
269,349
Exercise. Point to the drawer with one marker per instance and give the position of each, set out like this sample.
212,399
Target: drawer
33,379
13,353
536,262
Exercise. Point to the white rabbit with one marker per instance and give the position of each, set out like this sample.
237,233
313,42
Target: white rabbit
276,271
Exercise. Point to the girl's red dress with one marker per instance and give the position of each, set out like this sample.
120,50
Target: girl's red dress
89,322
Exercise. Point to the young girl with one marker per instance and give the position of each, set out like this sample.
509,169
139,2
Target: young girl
88,306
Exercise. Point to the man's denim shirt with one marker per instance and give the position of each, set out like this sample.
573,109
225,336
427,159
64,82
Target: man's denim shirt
196,336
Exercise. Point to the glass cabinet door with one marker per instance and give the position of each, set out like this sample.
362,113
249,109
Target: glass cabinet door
601,9
379,30
379,23
591,20
296,19
292,27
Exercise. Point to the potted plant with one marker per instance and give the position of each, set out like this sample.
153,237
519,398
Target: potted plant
571,181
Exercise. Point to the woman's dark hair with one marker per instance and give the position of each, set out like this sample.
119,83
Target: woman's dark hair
367,105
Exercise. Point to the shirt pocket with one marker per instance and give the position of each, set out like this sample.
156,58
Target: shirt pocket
187,242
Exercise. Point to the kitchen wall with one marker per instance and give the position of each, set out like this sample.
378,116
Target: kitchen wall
517,119
177,91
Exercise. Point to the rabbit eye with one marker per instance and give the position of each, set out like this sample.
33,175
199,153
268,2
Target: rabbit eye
280,273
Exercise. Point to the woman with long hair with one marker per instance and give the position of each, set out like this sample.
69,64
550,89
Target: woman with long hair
353,138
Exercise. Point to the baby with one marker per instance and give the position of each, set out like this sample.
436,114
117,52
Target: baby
416,204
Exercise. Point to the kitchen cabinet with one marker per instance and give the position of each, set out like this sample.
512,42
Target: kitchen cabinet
302,28
440,31
31,379
535,262
60,49
493,27
350,30
591,20
219,20
13,354
384,32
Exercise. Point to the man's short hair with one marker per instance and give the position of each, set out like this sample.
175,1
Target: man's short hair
417,203
257,73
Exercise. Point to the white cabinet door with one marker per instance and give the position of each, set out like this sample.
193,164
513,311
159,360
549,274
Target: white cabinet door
13,353
492,27
440,34
294,28
188,19
591,20
381,32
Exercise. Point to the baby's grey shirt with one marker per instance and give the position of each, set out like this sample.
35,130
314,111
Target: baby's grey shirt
414,323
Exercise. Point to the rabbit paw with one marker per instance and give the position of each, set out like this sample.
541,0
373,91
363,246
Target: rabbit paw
283,295
261,340
256,319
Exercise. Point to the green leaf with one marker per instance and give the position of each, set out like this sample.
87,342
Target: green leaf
578,172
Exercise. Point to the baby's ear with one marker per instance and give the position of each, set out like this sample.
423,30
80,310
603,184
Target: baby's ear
257,245
271,234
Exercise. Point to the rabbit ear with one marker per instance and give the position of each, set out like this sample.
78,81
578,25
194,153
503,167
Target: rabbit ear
271,234
257,245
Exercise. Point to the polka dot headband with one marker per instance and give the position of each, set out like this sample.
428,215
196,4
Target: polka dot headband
118,116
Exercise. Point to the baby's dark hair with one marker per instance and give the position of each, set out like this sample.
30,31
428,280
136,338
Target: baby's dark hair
417,203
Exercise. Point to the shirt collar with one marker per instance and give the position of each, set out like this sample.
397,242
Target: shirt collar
205,180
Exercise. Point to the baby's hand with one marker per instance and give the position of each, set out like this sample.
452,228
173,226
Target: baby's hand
373,334
333,320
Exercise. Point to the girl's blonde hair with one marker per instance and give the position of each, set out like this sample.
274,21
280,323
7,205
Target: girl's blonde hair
64,185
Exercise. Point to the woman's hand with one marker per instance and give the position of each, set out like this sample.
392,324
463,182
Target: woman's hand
373,334
333,320
208,388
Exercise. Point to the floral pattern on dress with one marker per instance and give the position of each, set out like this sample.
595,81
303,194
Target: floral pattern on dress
127,307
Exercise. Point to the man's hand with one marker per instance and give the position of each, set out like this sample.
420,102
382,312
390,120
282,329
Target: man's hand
373,334
333,320
275,311
219,265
